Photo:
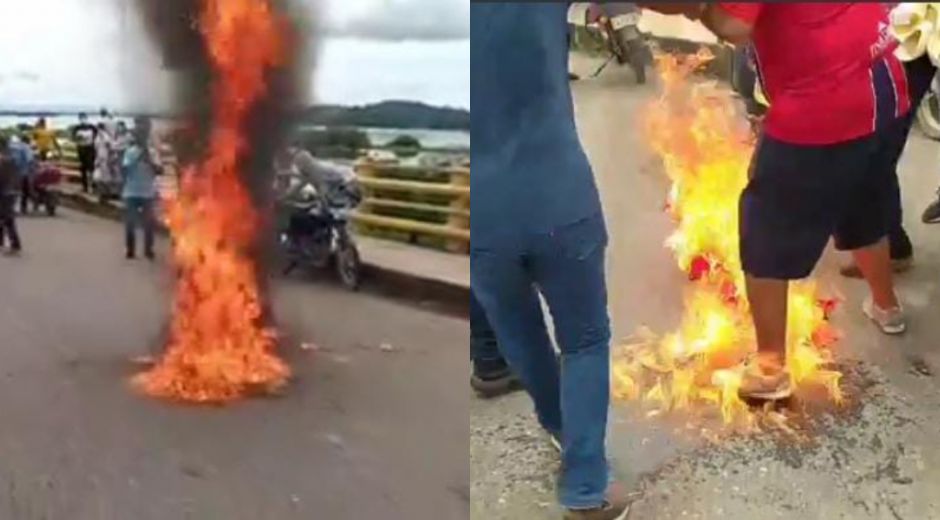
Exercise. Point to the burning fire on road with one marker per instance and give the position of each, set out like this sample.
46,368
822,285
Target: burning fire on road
221,346
705,146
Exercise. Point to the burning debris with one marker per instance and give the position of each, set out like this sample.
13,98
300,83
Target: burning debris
706,147
238,62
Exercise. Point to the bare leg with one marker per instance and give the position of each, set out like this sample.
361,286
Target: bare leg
875,264
768,301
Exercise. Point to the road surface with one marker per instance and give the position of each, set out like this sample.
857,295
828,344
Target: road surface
876,459
363,431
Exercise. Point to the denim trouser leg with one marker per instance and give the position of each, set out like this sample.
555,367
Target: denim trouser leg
149,224
505,289
8,221
568,266
138,212
131,218
484,349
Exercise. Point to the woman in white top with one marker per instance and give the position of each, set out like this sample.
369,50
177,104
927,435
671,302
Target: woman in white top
104,177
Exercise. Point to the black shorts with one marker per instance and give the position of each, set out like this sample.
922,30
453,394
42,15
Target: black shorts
799,196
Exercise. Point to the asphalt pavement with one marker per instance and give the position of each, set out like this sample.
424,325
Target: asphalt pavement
875,458
374,424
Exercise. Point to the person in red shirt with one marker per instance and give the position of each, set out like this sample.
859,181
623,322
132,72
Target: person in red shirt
823,166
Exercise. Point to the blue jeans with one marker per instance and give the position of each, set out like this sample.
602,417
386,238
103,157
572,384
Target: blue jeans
571,395
484,349
138,212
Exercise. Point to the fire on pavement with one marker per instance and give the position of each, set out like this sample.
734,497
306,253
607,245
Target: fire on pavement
219,348
705,146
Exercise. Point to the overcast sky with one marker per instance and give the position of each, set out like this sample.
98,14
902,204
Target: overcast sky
91,52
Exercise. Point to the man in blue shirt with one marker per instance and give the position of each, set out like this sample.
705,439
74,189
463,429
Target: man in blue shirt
537,228
22,154
140,190
9,183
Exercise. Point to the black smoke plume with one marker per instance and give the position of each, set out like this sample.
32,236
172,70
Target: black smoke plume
173,27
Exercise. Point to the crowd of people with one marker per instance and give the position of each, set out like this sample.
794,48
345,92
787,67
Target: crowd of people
114,161
840,110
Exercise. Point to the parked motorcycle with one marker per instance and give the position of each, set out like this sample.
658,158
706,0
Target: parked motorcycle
45,188
617,23
928,114
316,234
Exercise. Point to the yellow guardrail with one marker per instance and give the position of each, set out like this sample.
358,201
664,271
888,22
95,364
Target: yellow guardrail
69,158
416,205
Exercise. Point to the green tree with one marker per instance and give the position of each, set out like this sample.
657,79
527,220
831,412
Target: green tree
405,146
336,143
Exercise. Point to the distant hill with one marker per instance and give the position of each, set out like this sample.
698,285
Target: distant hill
389,114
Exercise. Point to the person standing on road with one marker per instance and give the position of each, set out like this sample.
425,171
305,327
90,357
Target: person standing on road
9,180
105,168
824,165
931,214
492,376
140,190
84,135
537,227
919,74
538,230
45,140
109,121
25,159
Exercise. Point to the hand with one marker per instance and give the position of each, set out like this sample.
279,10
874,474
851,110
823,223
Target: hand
594,14
696,12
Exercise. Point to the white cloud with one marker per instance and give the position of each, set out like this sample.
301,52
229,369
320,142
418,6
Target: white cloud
399,19
355,71
88,52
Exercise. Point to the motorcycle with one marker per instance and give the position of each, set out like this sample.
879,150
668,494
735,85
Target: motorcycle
45,188
928,113
618,26
316,234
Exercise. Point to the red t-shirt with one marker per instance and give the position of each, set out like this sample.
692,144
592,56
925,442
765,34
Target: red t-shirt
828,70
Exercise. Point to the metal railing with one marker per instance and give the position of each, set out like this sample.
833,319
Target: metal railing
416,205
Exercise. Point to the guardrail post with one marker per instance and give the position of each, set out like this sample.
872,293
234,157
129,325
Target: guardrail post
365,170
459,177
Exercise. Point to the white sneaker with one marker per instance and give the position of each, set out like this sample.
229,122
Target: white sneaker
762,385
890,321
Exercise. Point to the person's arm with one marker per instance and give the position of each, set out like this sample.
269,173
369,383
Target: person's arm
131,156
153,157
731,21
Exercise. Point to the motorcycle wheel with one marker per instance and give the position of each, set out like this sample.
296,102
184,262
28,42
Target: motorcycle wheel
349,265
51,206
928,116
638,55
287,258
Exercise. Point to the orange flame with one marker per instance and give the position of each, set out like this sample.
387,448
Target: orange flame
218,349
706,147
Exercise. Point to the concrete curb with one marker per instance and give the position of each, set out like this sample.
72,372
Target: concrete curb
437,295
